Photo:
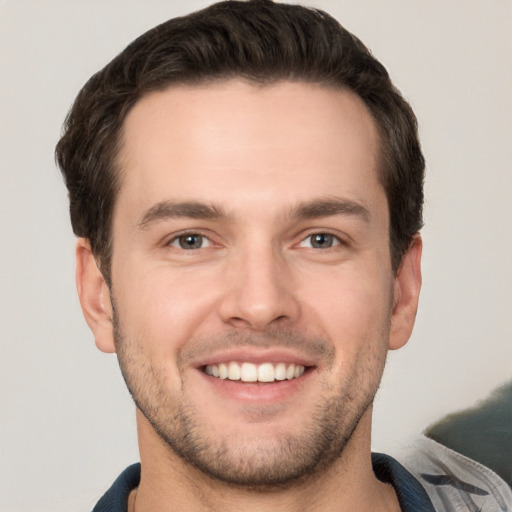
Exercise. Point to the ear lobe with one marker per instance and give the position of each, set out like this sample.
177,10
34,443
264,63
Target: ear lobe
406,295
94,296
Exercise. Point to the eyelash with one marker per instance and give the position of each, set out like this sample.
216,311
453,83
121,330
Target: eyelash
179,240
176,240
334,240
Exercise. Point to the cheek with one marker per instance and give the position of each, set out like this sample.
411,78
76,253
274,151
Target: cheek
164,308
352,306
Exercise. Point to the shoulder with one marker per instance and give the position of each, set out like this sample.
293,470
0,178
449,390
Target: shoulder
116,498
455,482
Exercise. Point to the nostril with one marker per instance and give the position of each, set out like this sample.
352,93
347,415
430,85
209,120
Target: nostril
258,300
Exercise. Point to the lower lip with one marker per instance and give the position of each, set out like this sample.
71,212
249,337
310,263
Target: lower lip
276,391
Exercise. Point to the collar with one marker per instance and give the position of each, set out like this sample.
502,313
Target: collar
411,495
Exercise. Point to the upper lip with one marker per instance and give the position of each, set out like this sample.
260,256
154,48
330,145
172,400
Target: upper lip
260,356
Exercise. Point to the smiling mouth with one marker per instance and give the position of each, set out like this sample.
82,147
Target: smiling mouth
250,372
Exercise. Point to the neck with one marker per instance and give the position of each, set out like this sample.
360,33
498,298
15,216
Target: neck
168,483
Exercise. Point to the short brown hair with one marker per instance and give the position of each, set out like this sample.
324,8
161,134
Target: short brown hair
257,40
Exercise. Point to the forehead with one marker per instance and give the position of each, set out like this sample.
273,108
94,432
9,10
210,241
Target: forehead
236,141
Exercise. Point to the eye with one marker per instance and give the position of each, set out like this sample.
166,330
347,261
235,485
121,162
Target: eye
190,241
320,241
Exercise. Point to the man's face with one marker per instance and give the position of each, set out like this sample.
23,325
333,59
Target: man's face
251,239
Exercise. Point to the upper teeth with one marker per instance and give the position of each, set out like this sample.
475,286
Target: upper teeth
249,372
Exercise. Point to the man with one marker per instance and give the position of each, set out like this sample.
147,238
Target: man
246,186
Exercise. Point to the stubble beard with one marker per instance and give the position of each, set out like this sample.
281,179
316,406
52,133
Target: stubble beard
282,461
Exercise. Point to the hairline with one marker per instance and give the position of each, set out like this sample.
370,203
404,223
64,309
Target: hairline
117,171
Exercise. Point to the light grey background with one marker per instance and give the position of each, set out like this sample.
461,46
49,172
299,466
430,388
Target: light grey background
67,425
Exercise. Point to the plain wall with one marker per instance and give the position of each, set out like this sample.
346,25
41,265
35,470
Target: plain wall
67,423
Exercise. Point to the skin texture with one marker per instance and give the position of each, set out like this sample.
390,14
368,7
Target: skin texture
253,174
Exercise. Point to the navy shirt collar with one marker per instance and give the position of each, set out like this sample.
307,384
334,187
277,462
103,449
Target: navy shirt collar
411,494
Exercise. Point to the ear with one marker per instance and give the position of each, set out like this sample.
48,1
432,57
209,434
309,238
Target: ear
94,296
406,295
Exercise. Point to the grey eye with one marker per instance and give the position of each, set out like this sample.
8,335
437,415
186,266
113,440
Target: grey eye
190,241
320,241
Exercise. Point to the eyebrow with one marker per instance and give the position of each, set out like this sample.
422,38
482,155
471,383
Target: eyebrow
303,211
174,210
330,207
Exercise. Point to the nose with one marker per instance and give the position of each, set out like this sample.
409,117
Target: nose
259,292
